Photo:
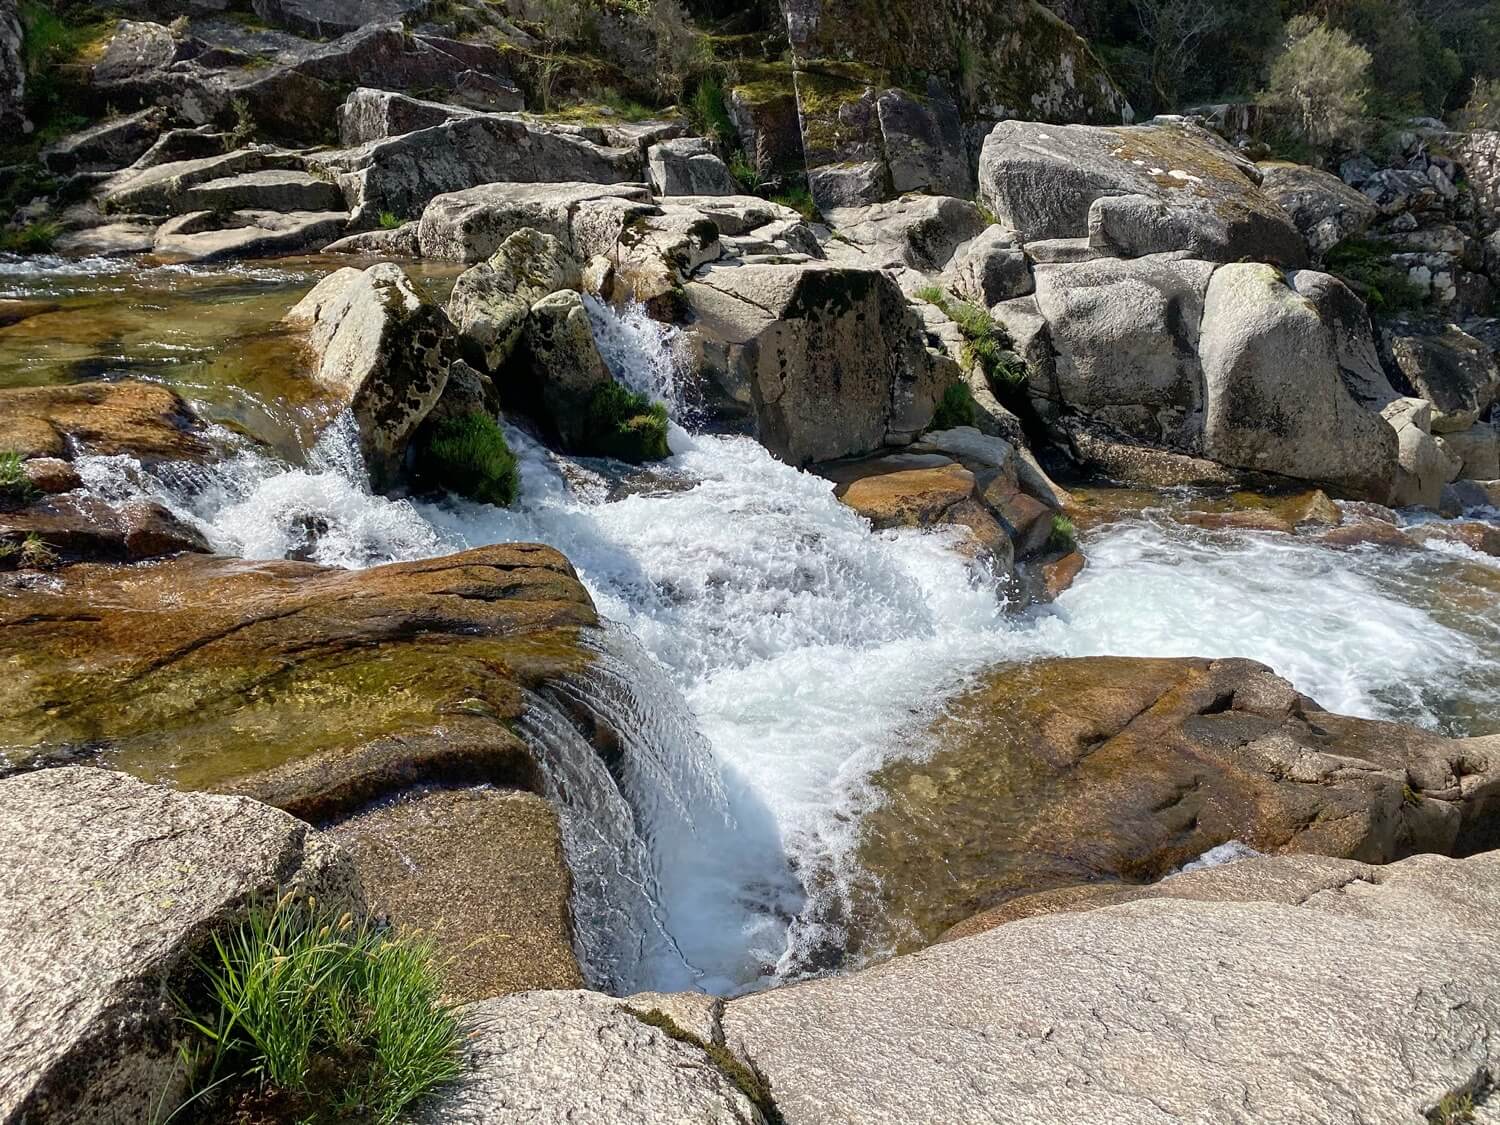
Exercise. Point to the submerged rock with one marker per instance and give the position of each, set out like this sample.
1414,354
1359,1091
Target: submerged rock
1229,1000
1117,769
83,527
108,889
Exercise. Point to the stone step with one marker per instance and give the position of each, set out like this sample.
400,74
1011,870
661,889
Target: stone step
272,189
209,236
155,190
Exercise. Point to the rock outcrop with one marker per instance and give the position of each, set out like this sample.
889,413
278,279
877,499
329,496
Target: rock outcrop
490,302
1229,1000
384,349
1114,769
108,889
1133,191
829,361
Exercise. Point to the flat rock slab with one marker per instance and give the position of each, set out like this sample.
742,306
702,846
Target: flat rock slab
108,887
316,690
1365,1001
1113,769
480,873
208,236
141,420
273,189
552,1057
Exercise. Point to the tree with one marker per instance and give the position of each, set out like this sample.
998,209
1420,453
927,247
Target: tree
1322,77
1174,31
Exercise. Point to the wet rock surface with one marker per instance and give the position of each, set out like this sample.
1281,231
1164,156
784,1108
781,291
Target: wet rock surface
1117,769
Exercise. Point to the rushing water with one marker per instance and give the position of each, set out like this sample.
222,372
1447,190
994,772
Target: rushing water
767,649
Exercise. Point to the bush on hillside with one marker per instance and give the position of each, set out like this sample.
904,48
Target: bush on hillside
1322,77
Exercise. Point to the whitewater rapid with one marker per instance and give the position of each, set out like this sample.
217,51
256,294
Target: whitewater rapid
768,649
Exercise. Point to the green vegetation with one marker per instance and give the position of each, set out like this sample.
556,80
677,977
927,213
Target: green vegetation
57,37
36,554
1321,80
15,485
244,129
799,199
710,112
1454,1109
744,171
468,455
627,425
33,238
955,409
318,1018
985,343
1064,537
1367,266
389,220
750,1083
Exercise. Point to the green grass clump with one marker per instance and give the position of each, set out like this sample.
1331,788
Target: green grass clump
468,455
15,485
710,112
750,1083
799,199
626,425
33,238
955,409
1064,535
1367,266
985,343
1454,1109
326,1018
389,220
742,168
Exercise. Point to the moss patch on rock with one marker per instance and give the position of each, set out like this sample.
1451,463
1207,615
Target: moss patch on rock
469,456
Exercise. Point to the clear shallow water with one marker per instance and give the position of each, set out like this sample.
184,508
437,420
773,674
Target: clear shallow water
770,649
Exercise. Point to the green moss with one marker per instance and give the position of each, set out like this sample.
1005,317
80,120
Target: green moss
750,1082
956,408
468,455
1064,537
626,425
57,39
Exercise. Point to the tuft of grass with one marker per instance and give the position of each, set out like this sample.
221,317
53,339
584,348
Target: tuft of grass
750,1082
35,554
1410,796
743,169
626,425
1454,1109
245,128
15,485
55,37
799,199
33,238
325,1017
468,455
710,112
1064,535
955,409
389,220
985,343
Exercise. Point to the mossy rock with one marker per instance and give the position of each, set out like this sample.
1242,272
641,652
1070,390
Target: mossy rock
626,425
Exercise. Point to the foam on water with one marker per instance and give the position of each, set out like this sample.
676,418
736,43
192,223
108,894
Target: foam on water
770,649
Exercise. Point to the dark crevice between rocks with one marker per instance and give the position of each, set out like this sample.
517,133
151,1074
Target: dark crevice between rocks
746,1076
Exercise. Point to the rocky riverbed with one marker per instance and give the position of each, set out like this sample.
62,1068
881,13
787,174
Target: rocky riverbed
980,617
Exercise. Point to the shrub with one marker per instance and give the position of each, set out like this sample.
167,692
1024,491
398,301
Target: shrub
36,554
1482,110
743,169
680,50
468,455
1321,76
627,425
1368,268
323,1017
956,408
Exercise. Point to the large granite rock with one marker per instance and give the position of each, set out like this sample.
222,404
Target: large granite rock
549,1058
375,115
470,225
108,146
216,236
402,174
919,232
1450,369
78,526
1274,398
830,361
1325,209
1133,191
1119,770
490,301
384,348
108,889
157,189
1125,335
564,370
1425,465
313,689
688,166
1232,1000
